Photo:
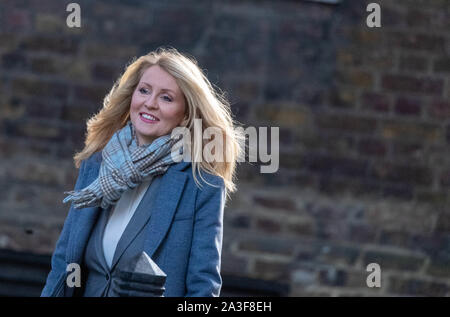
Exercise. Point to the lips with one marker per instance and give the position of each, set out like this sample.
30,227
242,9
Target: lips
151,115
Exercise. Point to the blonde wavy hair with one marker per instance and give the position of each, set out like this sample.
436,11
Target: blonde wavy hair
203,102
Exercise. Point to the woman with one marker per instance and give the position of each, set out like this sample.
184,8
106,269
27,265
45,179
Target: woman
133,194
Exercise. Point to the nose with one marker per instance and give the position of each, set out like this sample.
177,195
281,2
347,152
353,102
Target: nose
150,102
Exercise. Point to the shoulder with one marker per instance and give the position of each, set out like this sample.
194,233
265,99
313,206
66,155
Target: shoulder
89,168
204,178
206,191
95,158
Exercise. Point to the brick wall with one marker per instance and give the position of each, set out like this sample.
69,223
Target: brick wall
364,119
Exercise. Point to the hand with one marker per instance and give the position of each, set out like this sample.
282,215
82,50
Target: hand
126,284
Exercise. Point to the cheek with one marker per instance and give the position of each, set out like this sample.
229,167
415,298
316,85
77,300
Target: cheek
179,115
175,115
134,102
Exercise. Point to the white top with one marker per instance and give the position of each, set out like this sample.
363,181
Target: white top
119,217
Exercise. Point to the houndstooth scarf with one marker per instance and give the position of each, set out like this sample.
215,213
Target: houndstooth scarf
124,166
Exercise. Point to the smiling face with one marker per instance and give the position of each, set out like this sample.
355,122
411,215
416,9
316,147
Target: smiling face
157,97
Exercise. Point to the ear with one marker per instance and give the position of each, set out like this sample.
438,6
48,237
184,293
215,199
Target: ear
184,122
185,119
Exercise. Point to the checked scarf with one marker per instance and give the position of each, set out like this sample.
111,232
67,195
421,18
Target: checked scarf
125,165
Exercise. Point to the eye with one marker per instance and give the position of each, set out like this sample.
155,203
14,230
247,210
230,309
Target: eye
143,90
168,98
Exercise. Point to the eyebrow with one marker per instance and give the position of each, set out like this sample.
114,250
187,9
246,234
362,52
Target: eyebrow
164,89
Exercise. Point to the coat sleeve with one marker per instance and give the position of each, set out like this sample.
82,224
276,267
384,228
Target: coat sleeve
203,272
58,262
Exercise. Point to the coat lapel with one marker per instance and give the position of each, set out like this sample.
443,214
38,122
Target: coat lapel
170,190
102,220
140,218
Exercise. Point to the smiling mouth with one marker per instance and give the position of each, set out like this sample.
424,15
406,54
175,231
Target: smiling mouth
148,117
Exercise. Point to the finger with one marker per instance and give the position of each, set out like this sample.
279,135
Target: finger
142,278
139,286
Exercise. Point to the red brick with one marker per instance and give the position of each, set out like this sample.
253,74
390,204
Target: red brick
442,65
375,101
45,65
439,266
448,133
417,287
443,223
402,191
413,63
301,228
426,42
436,199
362,233
104,72
59,44
90,93
277,203
269,270
37,108
439,109
77,113
346,123
445,178
372,147
18,19
420,175
268,225
391,17
240,221
403,149
342,98
332,277
232,264
355,78
411,131
408,106
268,245
35,87
395,238
326,164
14,60
395,261
417,18
404,83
